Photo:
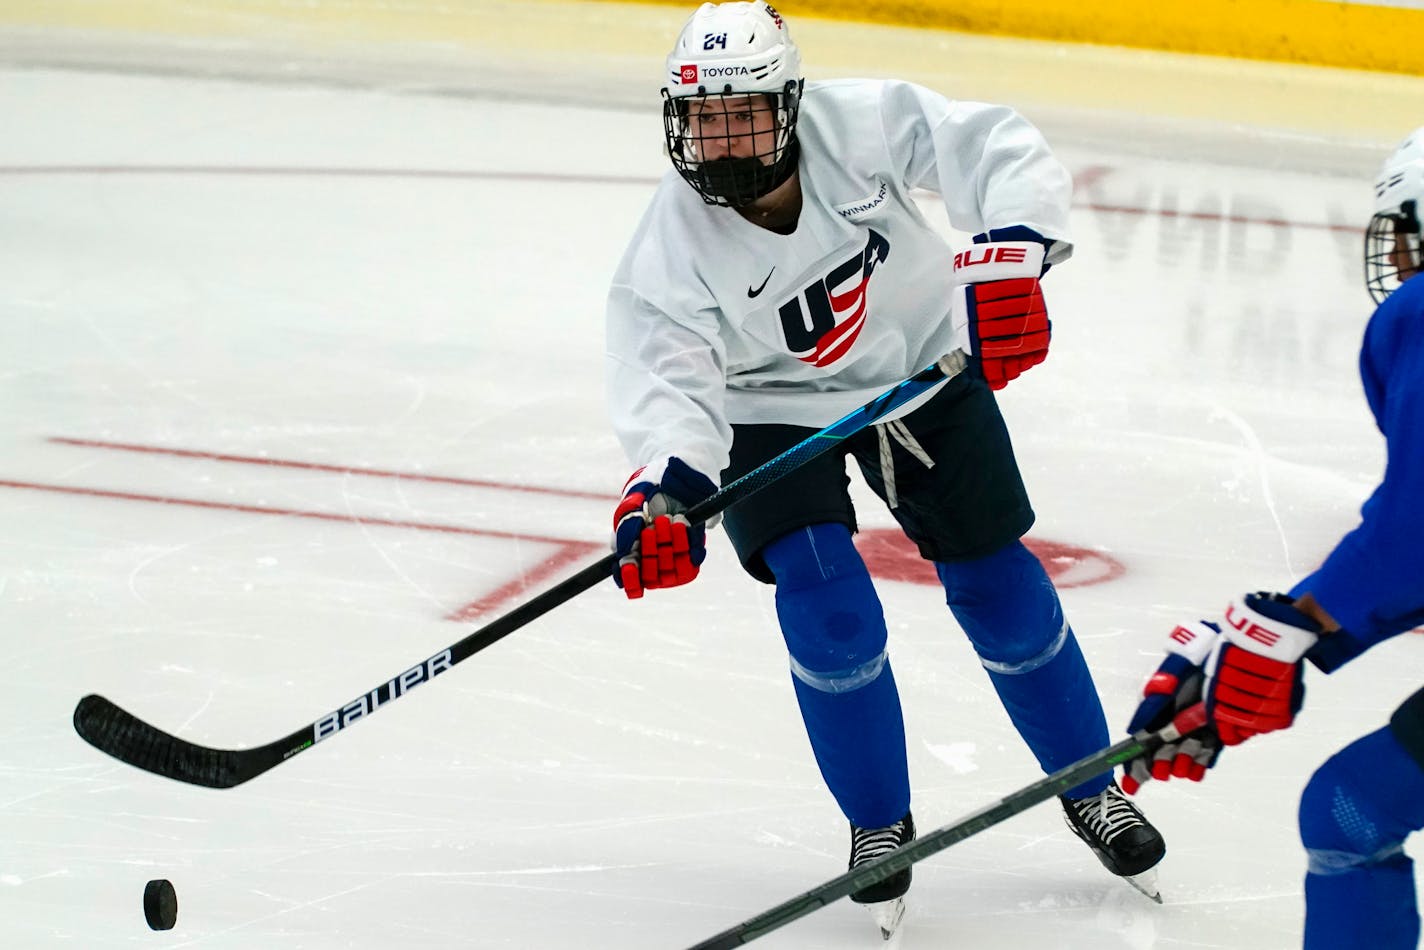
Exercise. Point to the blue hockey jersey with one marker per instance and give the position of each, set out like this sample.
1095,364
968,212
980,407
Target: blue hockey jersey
1373,581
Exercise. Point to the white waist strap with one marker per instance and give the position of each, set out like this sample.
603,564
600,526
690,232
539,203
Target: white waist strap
897,428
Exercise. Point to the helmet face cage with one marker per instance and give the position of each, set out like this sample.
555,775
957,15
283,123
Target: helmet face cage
1392,250
733,147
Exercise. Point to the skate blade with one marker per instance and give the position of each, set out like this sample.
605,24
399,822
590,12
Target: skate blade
1146,883
887,915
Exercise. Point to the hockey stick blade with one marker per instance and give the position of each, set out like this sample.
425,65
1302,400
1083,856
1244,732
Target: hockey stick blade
123,735
119,733
888,865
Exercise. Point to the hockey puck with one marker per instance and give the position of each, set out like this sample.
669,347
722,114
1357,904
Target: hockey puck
160,905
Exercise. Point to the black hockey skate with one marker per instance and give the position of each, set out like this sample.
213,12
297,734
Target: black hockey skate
1119,835
886,899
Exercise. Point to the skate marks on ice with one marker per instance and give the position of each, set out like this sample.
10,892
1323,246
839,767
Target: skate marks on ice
598,780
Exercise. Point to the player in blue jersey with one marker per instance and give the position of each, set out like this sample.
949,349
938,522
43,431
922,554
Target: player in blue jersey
1358,808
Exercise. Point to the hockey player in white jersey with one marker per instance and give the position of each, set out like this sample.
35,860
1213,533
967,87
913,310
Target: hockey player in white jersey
781,278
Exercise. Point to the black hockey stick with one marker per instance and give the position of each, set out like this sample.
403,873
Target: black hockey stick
873,872
113,730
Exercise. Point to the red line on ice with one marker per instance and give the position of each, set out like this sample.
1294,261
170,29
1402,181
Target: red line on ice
295,171
319,467
1087,176
570,551
283,512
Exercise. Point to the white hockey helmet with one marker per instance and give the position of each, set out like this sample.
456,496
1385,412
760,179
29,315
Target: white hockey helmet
733,59
1392,249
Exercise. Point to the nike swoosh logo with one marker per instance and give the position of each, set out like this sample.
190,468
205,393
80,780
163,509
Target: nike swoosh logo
754,293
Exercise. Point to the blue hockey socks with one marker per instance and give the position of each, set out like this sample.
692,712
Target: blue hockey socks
835,632
1010,611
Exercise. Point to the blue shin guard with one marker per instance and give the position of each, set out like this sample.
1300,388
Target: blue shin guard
1355,813
1010,611
835,631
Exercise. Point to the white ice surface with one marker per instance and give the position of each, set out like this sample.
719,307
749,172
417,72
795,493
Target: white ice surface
367,279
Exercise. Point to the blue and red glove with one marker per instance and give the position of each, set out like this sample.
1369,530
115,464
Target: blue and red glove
1007,318
655,544
1247,669
1255,683
1177,685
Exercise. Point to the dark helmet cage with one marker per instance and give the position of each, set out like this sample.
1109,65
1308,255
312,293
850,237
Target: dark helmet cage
734,182
1386,236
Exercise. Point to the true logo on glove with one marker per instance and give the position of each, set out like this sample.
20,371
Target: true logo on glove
990,255
1253,630
1183,636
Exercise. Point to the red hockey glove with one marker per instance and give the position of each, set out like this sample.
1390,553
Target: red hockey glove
1008,321
1254,682
1175,686
656,545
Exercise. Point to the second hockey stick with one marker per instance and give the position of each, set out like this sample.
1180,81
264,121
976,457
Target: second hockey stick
873,872
119,733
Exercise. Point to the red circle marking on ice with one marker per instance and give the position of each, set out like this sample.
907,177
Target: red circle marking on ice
892,556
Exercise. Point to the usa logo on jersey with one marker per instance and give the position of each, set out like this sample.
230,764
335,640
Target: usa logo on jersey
835,311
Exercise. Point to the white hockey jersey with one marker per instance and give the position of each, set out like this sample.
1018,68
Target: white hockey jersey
713,320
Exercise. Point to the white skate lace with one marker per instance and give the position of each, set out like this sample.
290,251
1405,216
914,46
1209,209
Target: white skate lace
1107,815
867,844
